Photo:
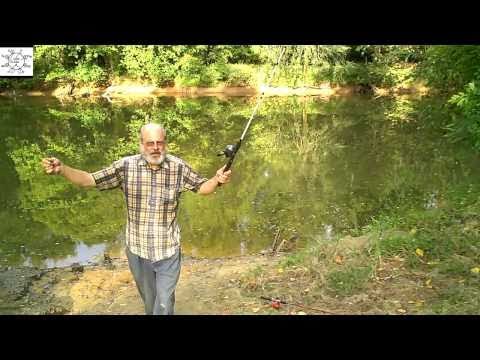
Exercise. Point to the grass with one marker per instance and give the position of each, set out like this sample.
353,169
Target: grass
449,248
296,258
417,261
458,299
257,271
350,280
456,266
435,252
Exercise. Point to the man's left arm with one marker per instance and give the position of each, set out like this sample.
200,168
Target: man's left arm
220,177
194,182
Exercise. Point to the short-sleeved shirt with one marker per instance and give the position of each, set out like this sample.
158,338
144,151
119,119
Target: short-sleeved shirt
152,197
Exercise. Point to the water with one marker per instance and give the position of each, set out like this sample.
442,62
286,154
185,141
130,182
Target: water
309,166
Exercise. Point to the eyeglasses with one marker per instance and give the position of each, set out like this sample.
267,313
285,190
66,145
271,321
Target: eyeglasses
158,143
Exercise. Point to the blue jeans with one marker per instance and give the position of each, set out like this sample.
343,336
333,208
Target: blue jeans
156,281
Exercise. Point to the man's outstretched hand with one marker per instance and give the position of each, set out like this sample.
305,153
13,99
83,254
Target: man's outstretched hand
52,166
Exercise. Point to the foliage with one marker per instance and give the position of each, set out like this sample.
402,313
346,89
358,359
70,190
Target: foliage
466,118
373,74
240,75
450,68
199,65
386,54
156,63
455,70
193,72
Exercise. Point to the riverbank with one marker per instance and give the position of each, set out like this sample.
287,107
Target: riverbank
347,276
206,286
231,286
132,90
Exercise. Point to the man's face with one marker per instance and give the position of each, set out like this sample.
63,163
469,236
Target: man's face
153,146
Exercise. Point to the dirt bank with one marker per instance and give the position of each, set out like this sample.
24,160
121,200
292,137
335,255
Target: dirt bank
206,286
133,90
226,286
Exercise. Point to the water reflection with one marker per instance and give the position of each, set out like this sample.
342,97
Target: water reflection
84,254
308,167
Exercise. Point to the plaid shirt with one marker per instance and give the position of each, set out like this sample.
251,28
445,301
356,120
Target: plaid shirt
152,197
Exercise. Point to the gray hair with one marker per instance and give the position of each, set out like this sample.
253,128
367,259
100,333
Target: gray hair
151,126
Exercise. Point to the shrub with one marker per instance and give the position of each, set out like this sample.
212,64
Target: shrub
241,75
192,72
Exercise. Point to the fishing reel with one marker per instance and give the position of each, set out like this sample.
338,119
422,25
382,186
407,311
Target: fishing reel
229,151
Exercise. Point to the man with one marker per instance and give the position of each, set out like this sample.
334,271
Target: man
152,182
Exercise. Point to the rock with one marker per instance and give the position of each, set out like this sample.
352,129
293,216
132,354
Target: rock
353,243
106,259
15,282
76,268
37,276
56,310
108,262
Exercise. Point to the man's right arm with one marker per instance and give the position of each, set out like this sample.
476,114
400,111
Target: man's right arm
78,177
81,178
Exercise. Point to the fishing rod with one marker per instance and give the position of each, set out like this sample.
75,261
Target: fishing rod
276,305
231,150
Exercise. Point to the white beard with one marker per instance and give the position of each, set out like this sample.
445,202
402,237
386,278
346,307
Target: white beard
154,161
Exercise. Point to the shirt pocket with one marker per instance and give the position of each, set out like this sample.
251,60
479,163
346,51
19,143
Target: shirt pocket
168,194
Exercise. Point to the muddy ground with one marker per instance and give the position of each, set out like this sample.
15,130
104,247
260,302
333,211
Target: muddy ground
206,286
226,286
